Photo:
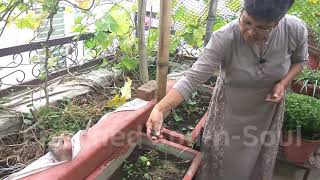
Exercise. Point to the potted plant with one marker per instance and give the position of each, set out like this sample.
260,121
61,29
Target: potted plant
307,83
301,127
314,57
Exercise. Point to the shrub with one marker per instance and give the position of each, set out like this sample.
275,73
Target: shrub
303,111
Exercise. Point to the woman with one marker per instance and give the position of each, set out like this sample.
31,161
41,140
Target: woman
258,56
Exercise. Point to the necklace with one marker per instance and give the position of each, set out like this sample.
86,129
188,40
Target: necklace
261,60
261,48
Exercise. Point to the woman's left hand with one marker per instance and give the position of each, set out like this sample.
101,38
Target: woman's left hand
277,94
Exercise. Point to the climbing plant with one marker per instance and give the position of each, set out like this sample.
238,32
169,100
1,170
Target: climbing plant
29,14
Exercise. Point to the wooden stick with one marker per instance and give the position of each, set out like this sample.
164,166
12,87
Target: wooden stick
163,50
143,64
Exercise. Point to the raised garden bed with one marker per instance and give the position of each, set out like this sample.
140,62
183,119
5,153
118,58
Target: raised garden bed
147,163
184,118
160,159
184,124
20,149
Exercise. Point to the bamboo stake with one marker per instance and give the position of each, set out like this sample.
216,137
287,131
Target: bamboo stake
210,20
163,50
143,65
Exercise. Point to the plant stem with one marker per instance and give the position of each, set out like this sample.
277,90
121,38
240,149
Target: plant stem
143,64
48,54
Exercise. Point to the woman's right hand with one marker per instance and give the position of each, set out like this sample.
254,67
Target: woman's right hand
154,123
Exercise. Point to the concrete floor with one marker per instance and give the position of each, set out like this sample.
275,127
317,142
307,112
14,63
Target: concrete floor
286,172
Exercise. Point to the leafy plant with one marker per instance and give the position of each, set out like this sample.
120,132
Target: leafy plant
193,29
128,64
309,76
67,118
141,167
308,11
221,21
177,117
302,111
114,31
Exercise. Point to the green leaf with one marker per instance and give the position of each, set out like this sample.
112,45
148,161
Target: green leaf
108,23
220,22
129,63
79,28
180,13
102,39
52,62
91,44
49,6
143,159
104,63
22,7
191,102
78,20
177,118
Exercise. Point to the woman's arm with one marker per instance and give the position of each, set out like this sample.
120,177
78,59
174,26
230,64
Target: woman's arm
281,86
294,71
171,100
199,73
298,59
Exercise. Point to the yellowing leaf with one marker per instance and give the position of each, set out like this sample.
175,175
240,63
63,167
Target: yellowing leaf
30,21
84,3
234,5
68,9
313,1
116,101
126,89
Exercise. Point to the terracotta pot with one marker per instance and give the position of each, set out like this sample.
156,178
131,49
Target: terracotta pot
296,87
298,150
314,58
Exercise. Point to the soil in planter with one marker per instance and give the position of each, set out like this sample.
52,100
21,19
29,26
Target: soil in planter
186,116
147,163
19,150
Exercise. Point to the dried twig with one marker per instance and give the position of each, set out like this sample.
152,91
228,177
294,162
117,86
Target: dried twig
34,125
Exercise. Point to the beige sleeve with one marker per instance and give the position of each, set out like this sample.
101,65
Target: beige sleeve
203,68
300,54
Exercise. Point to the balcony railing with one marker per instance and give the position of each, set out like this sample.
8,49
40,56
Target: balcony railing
22,66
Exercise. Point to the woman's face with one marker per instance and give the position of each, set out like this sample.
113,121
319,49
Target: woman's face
253,30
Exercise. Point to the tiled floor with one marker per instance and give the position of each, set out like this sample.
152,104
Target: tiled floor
285,172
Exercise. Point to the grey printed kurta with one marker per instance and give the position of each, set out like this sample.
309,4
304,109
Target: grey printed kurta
242,132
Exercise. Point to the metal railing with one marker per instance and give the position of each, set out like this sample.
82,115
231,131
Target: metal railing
22,66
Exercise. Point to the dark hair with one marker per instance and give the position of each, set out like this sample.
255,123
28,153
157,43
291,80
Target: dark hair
267,10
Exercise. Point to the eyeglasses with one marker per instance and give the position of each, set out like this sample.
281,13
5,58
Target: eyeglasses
248,25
